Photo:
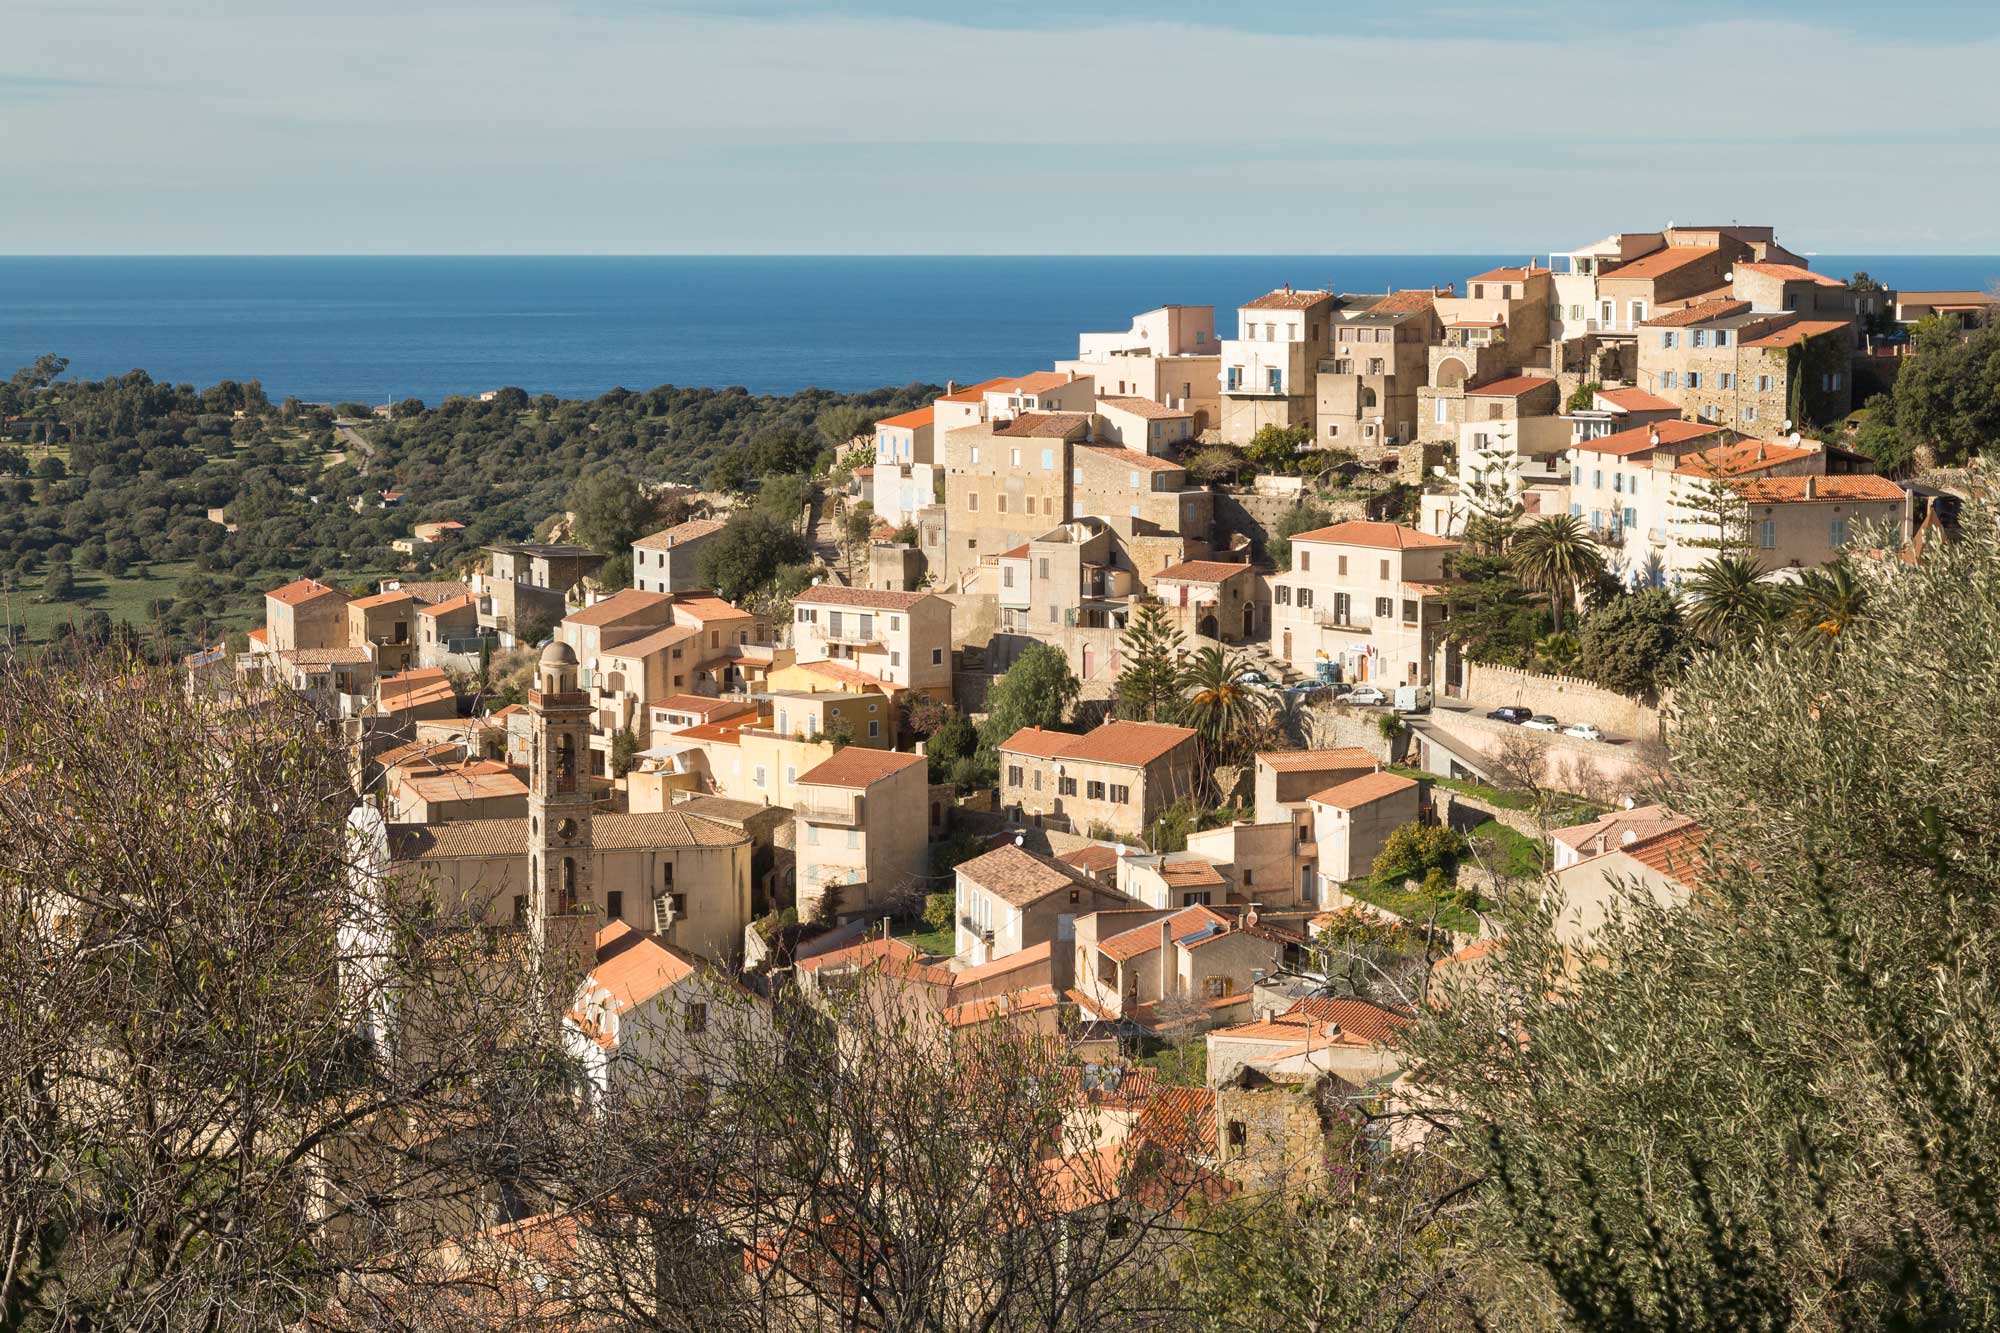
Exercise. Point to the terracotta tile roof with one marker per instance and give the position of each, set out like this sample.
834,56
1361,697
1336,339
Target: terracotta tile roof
1129,744
1018,553
1202,571
1364,790
1798,331
1675,854
1314,761
891,957
1817,490
1514,386
1521,274
923,416
1021,878
1038,741
301,591
1734,460
725,731
1113,453
1180,1120
622,605
876,599
446,608
680,534
1791,273
1366,532
1947,298
1413,301
1190,872
1036,381
1286,299
258,635
1035,955
1189,925
1361,1019
634,966
1637,400
1696,312
1046,426
1662,261
972,393
1472,953
1091,859
312,657
476,780
413,689
382,599
702,607
509,837
1607,832
1143,407
854,678
1032,999
856,766
654,641
1639,441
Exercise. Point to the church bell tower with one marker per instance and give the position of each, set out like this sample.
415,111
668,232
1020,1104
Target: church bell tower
563,910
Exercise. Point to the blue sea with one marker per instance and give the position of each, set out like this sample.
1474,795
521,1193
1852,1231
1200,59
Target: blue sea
376,329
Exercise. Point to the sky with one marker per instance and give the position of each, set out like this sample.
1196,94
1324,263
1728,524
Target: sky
906,126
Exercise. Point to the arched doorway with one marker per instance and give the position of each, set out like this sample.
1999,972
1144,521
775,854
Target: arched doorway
1451,373
1206,627
1249,619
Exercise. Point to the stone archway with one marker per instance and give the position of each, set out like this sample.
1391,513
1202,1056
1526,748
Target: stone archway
1451,373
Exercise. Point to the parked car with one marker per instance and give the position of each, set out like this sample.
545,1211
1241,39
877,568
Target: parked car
1542,722
1366,694
1255,678
1584,731
1413,699
1511,713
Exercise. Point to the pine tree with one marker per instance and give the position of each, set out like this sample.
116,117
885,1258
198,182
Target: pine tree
1152,650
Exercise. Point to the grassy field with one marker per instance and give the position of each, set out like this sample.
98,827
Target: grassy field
121,599
921,937
1413,906
1513,853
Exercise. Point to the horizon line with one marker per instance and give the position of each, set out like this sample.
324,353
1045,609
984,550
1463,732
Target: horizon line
900,255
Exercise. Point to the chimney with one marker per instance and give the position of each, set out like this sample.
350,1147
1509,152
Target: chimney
951,386
1760,451
1653,436
1166,955
1812,487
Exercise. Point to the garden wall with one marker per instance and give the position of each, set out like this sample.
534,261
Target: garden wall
1566,697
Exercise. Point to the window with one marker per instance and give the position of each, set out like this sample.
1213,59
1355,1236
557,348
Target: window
1369,430
1749,414
1038,779
1597,479
1383,572
1631,517
874,729
1767,534
757,775
1666,379
520,909
1699,338
1722,337
1014,775
1239,1134
1120,795
1249,877
972,501
937,657
1000,503
1306,561
695,1018
1015,458
1837,533
1409,611
1693,380
1007,576
1618,482
1236,377
1384,607
1048,460
1065,786
1275,380
614,905
1093,791
1725,380
1671,338
1215,987
1340,565
791,770
1281,595
1305,599
975,455
1763,384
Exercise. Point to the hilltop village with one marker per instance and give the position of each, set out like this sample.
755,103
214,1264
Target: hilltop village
1126,693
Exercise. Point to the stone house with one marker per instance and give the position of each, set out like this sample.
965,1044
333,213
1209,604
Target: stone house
431,791
1352,822
1118,777
305,614
664,561
442,624
1011,899
1348,1038
648,1005
1269,367
862,831
384,622
1367,597
900,638
1367,383
1286,779
1006,480
1211,598
1727,365
1141,967
1169,356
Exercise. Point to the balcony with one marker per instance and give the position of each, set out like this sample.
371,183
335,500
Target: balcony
826,808
852,634
1350,625
983,936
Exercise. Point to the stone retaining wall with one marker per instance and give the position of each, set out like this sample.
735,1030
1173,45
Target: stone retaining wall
1566,697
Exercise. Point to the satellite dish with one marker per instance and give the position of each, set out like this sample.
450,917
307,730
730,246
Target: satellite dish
1729,276
1020,839
1788,423
1437,469
1794,437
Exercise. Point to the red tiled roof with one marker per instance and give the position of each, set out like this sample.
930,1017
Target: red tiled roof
656,641
1286,299
853,677
1675,853
923,416
1181,926
1312,761
1115,453
699,704
1202,571
634,966
1366,532
703,607
412,689
1514,386
1696,312
1637,400
1792,273
1032,999
1038,741
1190,873
1180,1120
1662,261
1364,790
1798,331
301,591
726,730
877,599
1372,1023
1022,878
1046,426
1090,859
1520,274
447,608
1131,744
618,606
1640,440
1413,301
1035,955
381,599
680,534
478,779
1817,490
1036,381
892,957
1734,460
857,766
1143,407
972,393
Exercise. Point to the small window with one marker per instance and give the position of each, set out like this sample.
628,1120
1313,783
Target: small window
1249,877
1239,1134
695,1018
1306,561
1093,791
520,909
614,905
1014,775
1384,573
1120,795
1281,595
1384,607
1076,895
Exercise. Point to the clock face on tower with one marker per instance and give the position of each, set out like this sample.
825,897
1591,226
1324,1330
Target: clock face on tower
566,829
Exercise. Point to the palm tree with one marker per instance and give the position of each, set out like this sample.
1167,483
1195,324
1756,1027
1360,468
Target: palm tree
1725,600
1557,557
1217,703
1559,652
1826,603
